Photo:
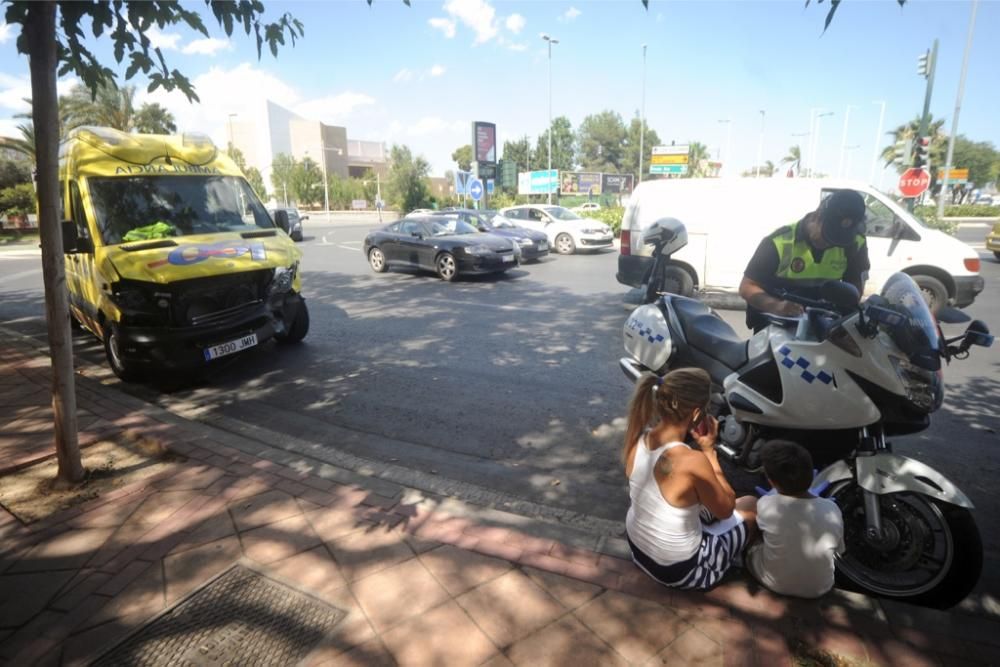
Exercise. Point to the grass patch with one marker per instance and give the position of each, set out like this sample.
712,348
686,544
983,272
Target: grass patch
16,238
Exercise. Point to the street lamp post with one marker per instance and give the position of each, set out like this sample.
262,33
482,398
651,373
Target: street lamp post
958,107
551,40
642,122
815,142
760,144
729,138
843,140
878,136
231,144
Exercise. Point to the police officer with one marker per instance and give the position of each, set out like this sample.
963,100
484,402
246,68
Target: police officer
827,244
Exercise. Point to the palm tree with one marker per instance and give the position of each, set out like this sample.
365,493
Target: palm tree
111,107
25,144
907,132
697,157
793,158
154,119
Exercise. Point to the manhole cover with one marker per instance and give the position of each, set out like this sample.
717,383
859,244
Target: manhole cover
240,618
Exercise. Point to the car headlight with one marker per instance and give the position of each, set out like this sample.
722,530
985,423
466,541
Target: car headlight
479,250
923,387
283,279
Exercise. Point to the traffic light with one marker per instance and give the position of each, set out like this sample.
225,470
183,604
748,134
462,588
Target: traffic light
921,151
924,64
902,152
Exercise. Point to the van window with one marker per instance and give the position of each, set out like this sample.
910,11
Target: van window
76,213
879,220
174,206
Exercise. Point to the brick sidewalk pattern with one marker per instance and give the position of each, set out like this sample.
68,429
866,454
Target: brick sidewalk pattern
420,586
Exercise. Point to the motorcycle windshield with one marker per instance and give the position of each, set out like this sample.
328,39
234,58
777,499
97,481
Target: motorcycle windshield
916,333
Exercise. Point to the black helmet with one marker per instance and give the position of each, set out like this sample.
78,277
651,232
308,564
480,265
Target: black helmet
842,215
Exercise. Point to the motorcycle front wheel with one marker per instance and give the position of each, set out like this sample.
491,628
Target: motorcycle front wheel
931,552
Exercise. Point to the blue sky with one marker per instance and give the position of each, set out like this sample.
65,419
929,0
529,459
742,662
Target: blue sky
418,75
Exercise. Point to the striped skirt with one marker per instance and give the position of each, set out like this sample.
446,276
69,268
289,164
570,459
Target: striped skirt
722,543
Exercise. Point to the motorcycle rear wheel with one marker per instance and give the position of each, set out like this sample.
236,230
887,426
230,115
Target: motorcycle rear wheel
935,556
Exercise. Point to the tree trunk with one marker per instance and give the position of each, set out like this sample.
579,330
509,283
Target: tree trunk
41,32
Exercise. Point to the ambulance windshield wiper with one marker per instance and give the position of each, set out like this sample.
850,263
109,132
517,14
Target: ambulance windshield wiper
149,245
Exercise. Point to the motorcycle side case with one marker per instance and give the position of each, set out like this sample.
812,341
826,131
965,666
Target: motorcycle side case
647,338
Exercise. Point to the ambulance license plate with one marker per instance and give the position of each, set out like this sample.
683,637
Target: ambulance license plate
232,347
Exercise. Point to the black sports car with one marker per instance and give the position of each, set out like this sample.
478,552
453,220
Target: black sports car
532,244
445,245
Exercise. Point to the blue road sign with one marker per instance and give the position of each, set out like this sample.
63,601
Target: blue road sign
489,186
475,189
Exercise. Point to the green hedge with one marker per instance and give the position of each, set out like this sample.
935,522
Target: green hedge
971,211
928,215
611,216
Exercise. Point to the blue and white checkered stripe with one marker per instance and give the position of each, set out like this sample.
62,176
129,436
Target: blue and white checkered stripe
647,334
801,362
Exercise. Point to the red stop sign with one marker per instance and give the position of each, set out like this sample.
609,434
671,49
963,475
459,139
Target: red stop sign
913,182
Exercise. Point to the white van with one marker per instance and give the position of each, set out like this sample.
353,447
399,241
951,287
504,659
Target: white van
726,219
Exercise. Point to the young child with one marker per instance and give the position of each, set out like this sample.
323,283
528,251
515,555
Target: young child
801,532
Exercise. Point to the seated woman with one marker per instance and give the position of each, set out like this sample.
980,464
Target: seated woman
670,483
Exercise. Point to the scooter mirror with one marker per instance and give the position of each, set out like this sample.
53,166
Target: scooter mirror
844,296
977,334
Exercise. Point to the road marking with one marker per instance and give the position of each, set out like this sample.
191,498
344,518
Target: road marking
978,246
20,254
974,225
341,245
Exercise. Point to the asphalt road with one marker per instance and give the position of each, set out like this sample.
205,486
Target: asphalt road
508,382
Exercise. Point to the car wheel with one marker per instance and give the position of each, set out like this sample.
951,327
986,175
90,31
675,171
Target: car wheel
446,266
934,291
297,236
125,370
376,258
565,245
298,328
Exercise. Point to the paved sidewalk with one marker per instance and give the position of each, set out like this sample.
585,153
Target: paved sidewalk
420,584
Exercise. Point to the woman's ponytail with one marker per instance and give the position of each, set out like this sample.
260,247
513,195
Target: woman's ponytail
641,409
672,398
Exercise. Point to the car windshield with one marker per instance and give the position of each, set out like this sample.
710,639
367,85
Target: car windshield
450,227
560,213
916,334
151,207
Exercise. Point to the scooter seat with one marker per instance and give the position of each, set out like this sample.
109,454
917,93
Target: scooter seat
709,333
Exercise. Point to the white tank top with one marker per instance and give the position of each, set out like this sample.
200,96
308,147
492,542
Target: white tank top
665,533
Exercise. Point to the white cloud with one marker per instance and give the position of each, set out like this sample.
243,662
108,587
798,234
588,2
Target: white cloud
403,75
13,91
6,32
437,70
515,23
207,46
167,41
446,26
333,109
8,127
570,14
479,15
518,46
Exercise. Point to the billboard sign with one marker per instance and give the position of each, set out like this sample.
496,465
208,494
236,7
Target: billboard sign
674,169
955,176
616,184
580,183
537,182
682,149
484,142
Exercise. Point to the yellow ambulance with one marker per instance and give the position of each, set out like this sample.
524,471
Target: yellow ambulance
171,259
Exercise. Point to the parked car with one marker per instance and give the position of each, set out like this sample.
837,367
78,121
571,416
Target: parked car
587,207
419,211
727,218
295,220
993,240
567,232
533,245
445,245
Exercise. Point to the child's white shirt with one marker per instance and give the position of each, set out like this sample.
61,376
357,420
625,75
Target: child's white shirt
801,537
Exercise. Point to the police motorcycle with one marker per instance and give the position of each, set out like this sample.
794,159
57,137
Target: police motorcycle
839,380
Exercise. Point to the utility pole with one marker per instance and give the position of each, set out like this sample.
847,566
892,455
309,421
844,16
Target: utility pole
958,107
642,128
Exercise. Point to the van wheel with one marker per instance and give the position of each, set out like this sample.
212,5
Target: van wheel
298,328
934,291
672,280
125,370
996,253
565,245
